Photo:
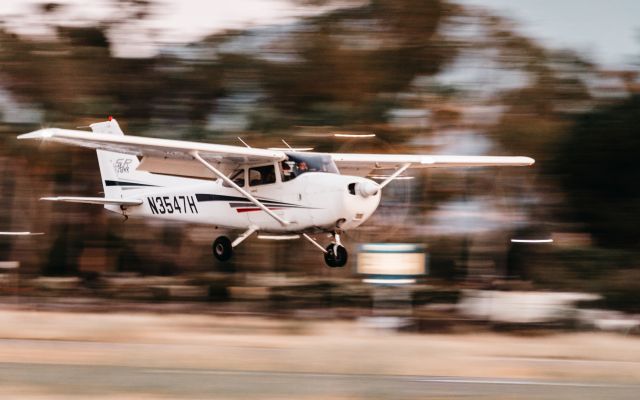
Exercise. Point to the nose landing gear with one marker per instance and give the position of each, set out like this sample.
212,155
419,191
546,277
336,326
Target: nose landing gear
336,255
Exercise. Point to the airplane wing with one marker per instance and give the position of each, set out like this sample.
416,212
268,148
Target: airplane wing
165,155
179,151
94,200
364,164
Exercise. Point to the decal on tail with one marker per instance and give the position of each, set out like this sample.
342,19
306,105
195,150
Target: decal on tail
118,170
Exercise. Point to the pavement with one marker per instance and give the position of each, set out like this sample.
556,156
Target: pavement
73,381
144,355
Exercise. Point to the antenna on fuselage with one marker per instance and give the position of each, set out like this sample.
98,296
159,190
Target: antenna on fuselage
243,142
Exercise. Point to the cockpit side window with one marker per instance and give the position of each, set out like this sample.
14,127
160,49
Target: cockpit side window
298,164
237,177
287,168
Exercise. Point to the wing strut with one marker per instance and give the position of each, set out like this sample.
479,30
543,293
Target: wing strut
231,183
394,175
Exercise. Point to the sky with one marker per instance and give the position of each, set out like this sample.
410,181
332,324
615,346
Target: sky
608,32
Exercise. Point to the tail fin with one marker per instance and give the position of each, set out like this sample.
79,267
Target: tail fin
117,169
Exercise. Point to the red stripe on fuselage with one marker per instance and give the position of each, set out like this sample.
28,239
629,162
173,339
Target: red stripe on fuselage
242,210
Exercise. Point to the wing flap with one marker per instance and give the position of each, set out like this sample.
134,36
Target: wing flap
187,168
94,200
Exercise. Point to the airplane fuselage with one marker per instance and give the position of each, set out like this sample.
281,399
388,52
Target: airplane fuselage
312,201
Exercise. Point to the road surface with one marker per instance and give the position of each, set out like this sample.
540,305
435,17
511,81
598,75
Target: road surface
68,381
153,355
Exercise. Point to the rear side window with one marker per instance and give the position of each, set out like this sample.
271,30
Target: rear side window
262,175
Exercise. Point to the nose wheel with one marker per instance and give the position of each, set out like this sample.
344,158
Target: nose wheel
336,255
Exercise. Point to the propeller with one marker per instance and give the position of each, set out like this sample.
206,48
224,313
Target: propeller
391,217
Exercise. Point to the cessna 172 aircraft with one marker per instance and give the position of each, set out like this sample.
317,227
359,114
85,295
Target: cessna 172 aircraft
281,194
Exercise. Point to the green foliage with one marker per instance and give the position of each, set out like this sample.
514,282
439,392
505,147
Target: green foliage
336,80
347,58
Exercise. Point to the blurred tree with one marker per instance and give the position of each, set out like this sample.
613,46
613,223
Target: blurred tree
599,172
340,64
345,60
538,113
345,67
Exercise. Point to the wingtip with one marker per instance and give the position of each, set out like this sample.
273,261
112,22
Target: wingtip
39,134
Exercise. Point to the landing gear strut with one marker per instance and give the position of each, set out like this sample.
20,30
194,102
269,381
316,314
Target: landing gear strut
222,249
335,255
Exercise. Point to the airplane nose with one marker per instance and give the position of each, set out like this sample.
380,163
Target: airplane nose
367,188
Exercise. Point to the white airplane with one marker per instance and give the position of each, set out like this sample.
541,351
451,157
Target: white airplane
280,194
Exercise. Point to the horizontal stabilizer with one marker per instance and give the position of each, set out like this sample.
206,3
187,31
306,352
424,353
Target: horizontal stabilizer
95,200
20,233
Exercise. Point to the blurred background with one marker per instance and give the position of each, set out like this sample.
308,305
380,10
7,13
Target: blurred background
556,81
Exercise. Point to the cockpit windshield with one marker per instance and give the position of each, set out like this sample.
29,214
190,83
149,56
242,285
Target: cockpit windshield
299,163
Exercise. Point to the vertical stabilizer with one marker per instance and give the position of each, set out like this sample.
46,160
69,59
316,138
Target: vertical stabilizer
117,169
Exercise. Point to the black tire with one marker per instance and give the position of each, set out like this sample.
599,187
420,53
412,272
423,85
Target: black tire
336,256
222,249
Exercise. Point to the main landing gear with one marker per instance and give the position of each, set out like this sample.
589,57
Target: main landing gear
222,249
